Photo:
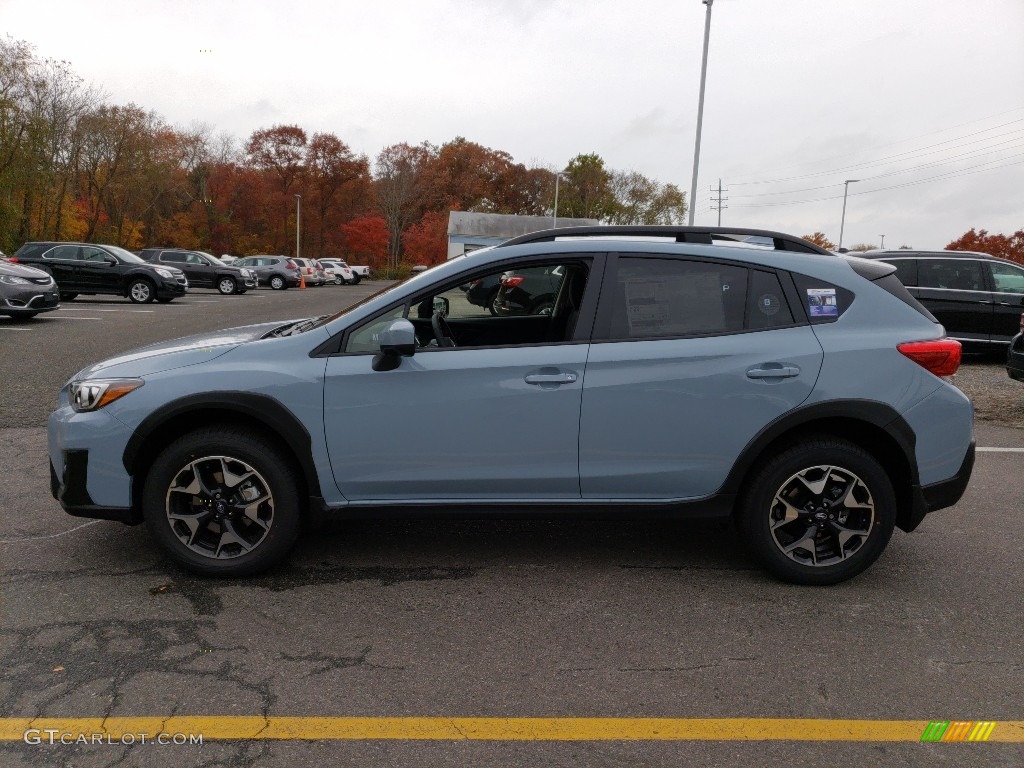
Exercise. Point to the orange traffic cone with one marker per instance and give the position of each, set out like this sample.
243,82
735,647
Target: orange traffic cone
302,281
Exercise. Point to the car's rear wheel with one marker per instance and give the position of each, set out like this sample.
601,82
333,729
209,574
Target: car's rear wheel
277,283
141,291
223,502
356,278
492,302
227,286
819,512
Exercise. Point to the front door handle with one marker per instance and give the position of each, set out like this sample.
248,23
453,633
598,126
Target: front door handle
550,378
773,372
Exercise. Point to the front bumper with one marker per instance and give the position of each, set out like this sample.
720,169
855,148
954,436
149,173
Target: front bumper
171,288
1015,358
30,300
70,488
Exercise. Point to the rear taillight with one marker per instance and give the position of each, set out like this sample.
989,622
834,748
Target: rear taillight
14,260
511,282
940,356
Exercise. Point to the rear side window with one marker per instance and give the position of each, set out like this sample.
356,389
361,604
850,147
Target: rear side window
663,298
766,302
172,257
906,270
951,274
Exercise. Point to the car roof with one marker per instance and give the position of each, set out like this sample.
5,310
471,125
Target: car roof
906,253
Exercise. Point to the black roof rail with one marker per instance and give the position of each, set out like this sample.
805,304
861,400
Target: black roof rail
700,235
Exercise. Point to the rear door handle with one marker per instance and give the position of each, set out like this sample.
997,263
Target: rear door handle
780,372
550,378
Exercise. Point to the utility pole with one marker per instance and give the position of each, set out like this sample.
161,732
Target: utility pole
883,241
719,199
298,224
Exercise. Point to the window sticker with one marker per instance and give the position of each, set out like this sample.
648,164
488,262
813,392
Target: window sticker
821,302
768,304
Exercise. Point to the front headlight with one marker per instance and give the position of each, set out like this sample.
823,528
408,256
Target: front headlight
14,280
166,273
93,394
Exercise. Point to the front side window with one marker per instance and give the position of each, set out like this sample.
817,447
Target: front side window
661,298
367,338
1007,278
93,255
951,274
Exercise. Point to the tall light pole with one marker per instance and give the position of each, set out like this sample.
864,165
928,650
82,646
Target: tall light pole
883,241
842,224
554,218
298,225
700,107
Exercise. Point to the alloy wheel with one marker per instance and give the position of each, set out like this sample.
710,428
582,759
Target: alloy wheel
219,507
821,515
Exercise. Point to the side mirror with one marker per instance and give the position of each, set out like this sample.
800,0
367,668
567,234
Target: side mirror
398,340
110,261
442,305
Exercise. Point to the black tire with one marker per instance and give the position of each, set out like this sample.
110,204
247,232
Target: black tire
492,297
271,538
542,307
819,519
141,291
68,296
227,286
278,283
356,278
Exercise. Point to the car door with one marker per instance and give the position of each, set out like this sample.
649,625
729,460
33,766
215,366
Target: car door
956,292
97,271
690,360
488,422
1008,299
60,262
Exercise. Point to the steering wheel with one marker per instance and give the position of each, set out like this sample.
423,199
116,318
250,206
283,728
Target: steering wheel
442,331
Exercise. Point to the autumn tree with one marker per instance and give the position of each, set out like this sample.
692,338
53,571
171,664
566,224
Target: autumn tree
820,240
330,165
426,241
279,151
1005,246
399,185
367,239
862,247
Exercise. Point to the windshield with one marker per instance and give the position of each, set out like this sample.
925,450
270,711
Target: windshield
124,255
331,318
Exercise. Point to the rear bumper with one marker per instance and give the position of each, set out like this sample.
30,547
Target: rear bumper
931,498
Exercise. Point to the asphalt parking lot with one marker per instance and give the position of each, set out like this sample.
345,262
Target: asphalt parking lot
483,619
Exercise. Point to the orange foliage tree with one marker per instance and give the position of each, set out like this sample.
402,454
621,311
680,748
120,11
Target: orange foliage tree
366,239
1008,247
426,242
819,239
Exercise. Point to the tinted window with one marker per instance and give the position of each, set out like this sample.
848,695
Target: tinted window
92,254
66,252
906,270
767,305
657,298
1007,278
177,258
954,274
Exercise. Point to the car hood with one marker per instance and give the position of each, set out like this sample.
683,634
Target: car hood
176,353
20,270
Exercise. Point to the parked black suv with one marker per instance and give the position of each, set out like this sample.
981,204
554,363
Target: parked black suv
88,269
977,297
202,269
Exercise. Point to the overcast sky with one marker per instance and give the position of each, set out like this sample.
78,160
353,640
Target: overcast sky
801,94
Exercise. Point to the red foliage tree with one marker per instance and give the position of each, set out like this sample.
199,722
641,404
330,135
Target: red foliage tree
426,242
1008,247
366,239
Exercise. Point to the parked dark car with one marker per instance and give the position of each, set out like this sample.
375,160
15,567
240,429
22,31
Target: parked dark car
25,291
978,298
202,269
279,272
528,291
89,269
483,292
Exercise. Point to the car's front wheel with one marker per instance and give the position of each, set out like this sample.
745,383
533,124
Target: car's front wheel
277,283
227,286
819,512
223,502
141,291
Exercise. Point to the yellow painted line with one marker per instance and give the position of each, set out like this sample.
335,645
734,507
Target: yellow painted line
499,729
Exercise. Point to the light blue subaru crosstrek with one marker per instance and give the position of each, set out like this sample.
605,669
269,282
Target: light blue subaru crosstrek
665,371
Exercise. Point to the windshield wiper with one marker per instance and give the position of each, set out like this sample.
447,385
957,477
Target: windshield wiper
300,327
